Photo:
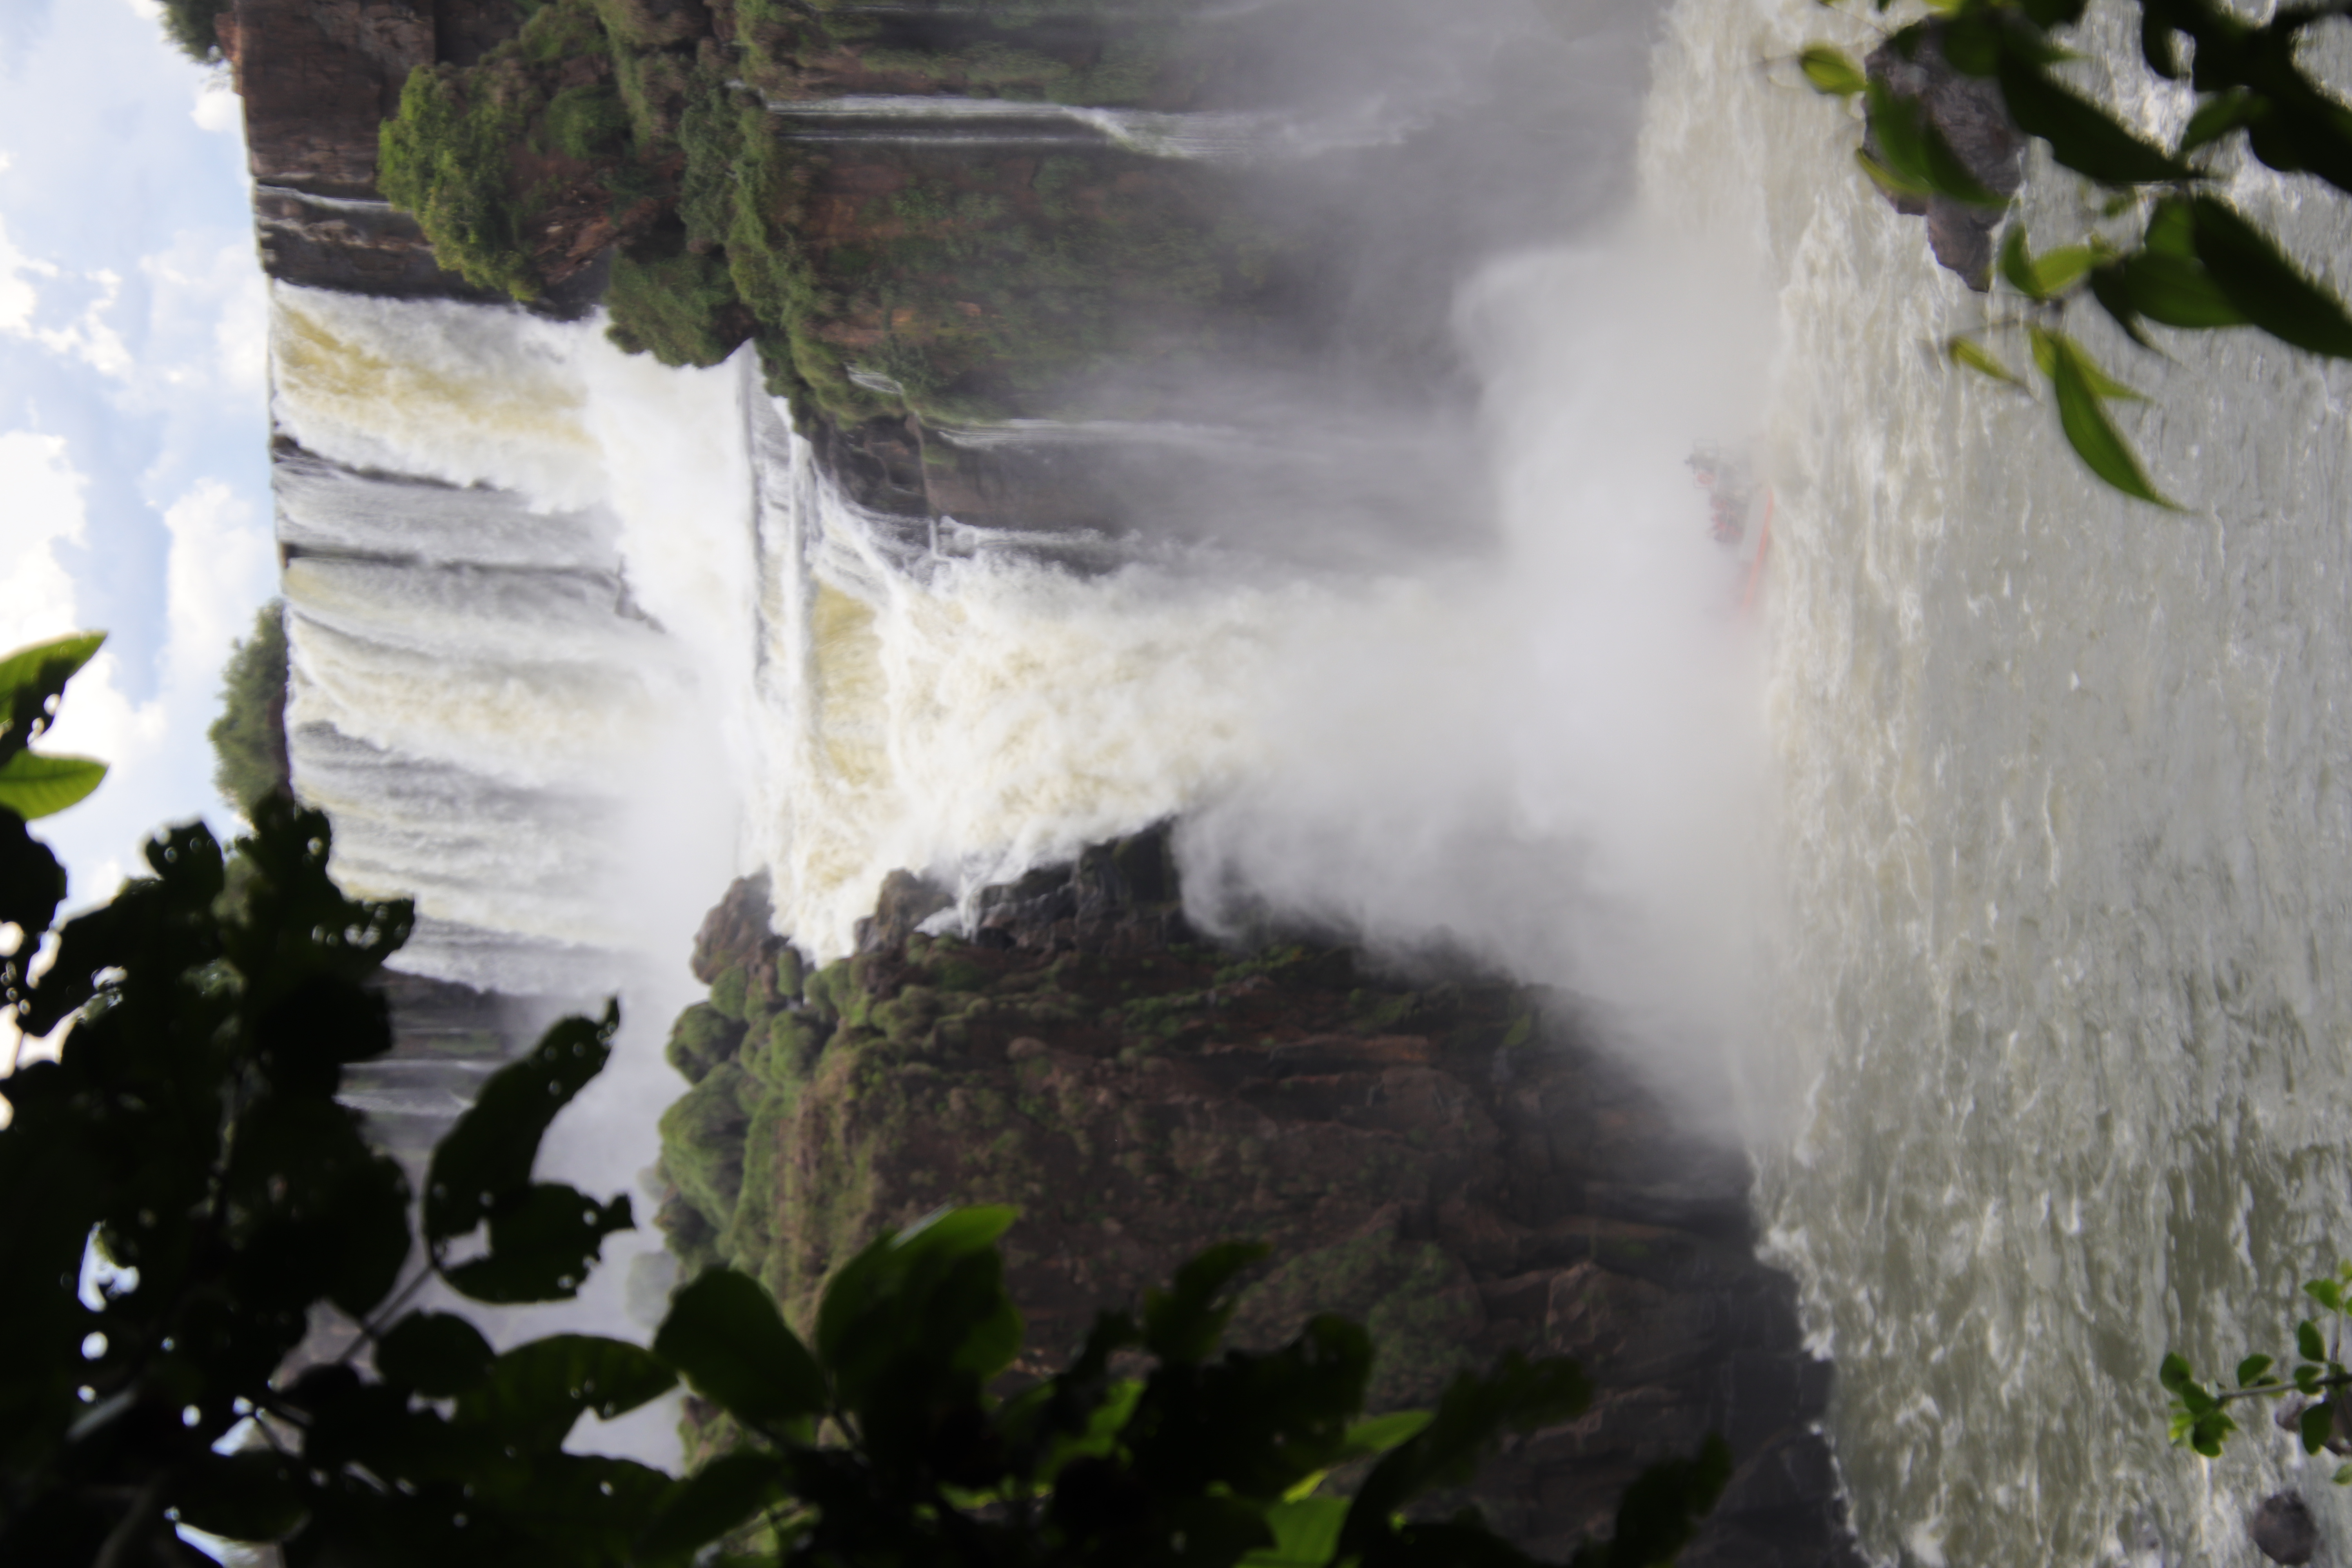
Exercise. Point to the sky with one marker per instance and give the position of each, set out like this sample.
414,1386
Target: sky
133,404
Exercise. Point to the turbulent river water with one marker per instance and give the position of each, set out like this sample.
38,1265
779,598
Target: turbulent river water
1993,883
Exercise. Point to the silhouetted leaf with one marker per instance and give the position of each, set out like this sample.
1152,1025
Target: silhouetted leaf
436,1353
1830,71
32,883
714,1500
2274,294
303,1040
1185,1323
1661,1510
725,1334
535,1392
247,1497
2088,431
369,1223
939,1283
2308,1342
489,1154
2108,289
2081,136
543,1241
1468,1422
35,784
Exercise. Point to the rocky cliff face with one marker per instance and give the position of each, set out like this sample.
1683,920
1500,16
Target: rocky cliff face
317,77
1448,1162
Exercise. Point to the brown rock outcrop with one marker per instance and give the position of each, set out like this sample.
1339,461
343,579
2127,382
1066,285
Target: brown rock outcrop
1449,1162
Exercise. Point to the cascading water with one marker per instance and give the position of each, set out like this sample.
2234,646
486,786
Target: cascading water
2043,1052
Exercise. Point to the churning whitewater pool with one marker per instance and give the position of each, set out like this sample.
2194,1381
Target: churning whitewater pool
2063,852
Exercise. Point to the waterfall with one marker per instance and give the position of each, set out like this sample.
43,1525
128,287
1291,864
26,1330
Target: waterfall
2034,795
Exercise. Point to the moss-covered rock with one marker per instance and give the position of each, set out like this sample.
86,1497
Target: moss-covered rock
703,1037
702,1141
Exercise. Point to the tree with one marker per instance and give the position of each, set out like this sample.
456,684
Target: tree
2167,249
250,737
186,1197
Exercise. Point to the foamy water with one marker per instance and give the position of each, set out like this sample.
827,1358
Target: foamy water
2063,841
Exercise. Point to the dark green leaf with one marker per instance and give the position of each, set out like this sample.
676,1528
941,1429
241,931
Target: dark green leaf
1917,152
938,1285
1661,1510
2050,14
2175,1373
2251,1370
1185,1323
2315,1426
247,1497
436,1353
488,1155
2270,289
708,1503
1382,1433
725,1334
2207,1436
2094,439
1469,1423
1830,71
1890,182
535,1392
370,1226
2047,346
2108,289
31,680
2215,118
543,1241
2176,291
1305,1534
2081,136
35,783
2308,1340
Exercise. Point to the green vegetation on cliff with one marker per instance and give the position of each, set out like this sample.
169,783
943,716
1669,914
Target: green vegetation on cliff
192,26
250,737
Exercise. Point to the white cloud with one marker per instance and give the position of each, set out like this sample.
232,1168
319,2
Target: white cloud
217,108
19,295
89,338
44,509
221,565
209,318
146,10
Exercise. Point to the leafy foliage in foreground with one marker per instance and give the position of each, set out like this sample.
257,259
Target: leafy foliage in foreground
186,1195
2320,1385
2168,250
250,737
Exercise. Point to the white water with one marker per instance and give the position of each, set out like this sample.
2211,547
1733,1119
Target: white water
2040,1041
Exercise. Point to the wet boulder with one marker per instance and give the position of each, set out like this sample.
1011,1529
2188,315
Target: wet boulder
2283,1527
